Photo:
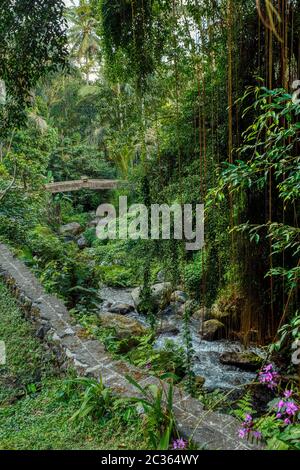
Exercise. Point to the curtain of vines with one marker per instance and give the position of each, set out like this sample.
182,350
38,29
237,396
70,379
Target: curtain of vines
199,57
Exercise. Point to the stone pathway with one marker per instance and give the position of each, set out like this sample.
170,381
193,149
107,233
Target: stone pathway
214,431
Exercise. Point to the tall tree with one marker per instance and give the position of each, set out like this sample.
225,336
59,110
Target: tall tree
85,42
33,43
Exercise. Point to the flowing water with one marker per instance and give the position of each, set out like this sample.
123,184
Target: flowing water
207,353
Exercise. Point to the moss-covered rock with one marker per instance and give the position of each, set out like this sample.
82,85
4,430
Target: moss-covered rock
73,228
124,327
244,360
212,330
228,309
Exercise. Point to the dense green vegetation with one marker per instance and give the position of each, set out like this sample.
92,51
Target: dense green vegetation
37,402
185,102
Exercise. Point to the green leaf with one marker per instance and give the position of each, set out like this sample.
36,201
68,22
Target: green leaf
276,444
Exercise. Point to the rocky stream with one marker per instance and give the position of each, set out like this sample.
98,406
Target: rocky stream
222,363
213,358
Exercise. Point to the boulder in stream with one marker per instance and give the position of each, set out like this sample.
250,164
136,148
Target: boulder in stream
120,308
202,313
244,360
165,328
228,310
73,228
168,311
181,308
212,330
160,294
179,296
124,327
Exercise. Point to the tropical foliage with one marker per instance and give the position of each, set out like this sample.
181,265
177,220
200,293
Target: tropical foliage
183,102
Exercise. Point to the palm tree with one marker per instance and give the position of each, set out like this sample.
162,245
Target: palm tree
84,40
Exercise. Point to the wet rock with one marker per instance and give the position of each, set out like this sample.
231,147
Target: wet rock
202,313
160,294
167,329
244,360
228,310
120,308
212,330
179,309
124,327
182,307
179,296
218,313
106,304
136,295
72,228
115,295
169,310
82,242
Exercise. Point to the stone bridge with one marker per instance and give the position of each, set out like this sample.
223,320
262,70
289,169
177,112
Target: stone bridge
83,183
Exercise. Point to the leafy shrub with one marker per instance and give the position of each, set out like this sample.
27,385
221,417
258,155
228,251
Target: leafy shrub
279,424
90,235
193,276
69,213
169,359
62,268
94,398
12,229
157,403
45,244
115,276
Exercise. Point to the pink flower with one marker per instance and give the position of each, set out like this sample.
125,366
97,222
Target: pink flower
179,444
291,408
242,433
286,408
269,376
280,404
246,426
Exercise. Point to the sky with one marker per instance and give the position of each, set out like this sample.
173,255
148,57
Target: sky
69,3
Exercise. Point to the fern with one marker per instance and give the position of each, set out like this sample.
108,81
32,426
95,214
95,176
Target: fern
268,426
244,406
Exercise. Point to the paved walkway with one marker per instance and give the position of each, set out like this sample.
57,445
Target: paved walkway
214,431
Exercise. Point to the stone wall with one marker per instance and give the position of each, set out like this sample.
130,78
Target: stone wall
53,324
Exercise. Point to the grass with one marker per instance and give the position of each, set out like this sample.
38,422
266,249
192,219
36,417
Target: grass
34,414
